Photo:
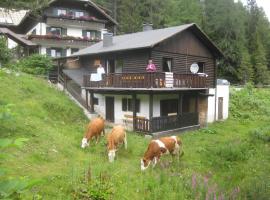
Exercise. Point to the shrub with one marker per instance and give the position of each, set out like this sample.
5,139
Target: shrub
99,188
5,53
35,64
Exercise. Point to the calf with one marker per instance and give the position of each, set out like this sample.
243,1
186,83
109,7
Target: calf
114,139
94,129
165,145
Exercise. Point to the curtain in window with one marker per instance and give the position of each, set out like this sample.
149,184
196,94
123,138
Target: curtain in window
169,64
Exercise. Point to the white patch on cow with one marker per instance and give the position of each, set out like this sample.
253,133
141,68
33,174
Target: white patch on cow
84,143
111,155
161,145
142,165
176,148
175,138
155,160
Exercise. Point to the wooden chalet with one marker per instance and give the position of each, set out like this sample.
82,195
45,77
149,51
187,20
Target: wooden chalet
173,98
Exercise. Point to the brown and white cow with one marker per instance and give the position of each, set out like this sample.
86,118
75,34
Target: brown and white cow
94,129
165,145
114,139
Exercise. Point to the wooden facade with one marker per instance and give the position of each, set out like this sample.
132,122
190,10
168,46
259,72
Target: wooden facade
183,49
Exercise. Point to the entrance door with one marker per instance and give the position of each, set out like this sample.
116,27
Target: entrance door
220,108
110,109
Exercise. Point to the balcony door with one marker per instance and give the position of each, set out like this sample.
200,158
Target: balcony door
110,66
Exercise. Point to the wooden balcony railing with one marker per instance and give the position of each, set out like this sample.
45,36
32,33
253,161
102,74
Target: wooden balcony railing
157,124
145,80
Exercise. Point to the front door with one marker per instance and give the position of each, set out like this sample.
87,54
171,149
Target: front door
220,108
110,109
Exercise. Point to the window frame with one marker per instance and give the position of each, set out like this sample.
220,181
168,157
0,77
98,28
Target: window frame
61,11
127,105
165,59
201,66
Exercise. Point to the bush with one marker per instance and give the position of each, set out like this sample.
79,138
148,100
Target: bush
5,53
35,64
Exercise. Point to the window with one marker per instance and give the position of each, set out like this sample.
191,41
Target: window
74,50
56,52
79,14
61,12
95,101
201,67
89,34
34,32
119,63
127,105
55,31
167,65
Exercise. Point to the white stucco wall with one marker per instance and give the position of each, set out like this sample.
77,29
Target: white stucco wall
11,44
220,91
223,91
40,29
119,114
75,32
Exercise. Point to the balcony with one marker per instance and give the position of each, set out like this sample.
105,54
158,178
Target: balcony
159,124
62,41
156,81
83,22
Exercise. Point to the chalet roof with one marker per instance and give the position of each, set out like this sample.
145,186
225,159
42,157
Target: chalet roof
11,17
20,39
146,39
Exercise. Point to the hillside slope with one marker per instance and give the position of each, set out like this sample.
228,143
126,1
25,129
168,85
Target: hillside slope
217,160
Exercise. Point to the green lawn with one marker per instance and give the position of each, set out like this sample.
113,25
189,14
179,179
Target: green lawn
219,159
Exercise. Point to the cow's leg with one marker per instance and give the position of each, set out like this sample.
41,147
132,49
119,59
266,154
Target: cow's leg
103,132
125,142
97,138
154,162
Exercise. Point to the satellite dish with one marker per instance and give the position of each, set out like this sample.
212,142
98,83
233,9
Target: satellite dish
194,68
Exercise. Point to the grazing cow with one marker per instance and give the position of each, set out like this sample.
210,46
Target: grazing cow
165,145
114,139
94,129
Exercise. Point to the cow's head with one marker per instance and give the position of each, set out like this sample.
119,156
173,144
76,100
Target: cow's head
145,164
84,143
111,155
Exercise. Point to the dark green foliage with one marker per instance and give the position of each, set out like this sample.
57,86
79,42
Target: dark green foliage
35,64
242,33
5,53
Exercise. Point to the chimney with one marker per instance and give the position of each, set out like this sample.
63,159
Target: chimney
147,27
107,39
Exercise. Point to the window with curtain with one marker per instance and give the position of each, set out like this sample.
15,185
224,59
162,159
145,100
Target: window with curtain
127,105
79,14
61,12
167,65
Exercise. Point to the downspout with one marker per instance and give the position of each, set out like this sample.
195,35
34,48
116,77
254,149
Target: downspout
215,90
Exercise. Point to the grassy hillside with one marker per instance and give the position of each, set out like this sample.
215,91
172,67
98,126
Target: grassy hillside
227,159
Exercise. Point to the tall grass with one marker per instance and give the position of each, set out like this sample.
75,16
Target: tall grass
232,154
